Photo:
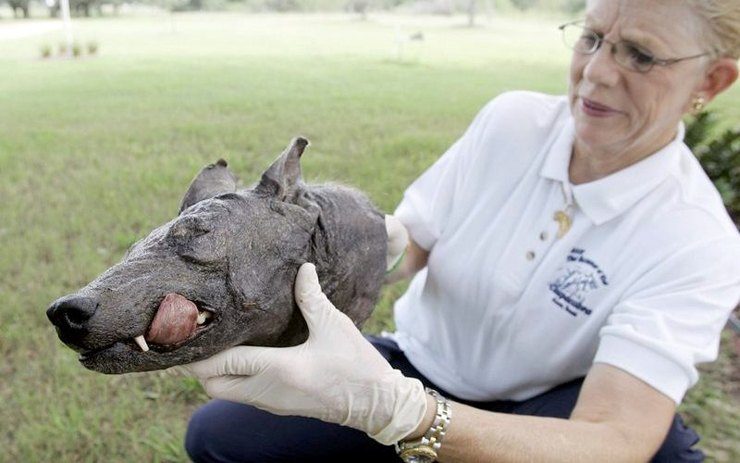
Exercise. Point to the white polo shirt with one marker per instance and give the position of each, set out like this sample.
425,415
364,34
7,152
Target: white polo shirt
644,280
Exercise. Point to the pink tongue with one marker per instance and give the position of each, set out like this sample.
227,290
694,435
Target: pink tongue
175,320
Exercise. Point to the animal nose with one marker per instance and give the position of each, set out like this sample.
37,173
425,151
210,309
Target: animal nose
70,314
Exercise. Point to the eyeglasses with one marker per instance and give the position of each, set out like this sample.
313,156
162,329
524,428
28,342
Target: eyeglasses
629,55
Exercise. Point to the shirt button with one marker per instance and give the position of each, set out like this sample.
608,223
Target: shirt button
543,236
530,255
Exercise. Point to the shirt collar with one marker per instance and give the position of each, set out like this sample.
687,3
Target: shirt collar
607,197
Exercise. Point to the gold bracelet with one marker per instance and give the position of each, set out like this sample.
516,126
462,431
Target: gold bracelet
424,450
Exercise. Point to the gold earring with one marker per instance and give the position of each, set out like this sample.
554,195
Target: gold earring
697,104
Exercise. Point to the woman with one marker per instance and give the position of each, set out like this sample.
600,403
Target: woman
559,238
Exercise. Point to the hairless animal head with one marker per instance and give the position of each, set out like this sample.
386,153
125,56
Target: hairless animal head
221,273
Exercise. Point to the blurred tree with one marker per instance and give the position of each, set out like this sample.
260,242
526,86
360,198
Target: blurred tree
523,4
358,6
283,5
115,4
20,8
574,6
80,7
471,10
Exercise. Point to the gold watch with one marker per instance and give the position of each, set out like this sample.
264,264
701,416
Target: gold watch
424,449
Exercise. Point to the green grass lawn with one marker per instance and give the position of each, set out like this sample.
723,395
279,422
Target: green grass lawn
96,152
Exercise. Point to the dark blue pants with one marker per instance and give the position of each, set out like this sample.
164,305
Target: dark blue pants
222,431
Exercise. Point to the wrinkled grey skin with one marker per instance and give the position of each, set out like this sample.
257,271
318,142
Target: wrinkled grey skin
237,254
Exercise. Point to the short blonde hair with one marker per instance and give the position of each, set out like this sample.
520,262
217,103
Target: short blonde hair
722,22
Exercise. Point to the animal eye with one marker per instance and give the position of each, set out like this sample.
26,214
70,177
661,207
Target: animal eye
197,239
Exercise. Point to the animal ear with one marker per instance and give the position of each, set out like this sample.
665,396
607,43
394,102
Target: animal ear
283,177
213,180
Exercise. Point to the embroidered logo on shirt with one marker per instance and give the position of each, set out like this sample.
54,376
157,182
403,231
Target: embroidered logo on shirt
578,277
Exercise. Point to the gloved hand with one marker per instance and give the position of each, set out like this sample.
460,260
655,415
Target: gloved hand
335,376
398,239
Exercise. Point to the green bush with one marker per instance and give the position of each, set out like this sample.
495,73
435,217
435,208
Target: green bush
45,50
719,155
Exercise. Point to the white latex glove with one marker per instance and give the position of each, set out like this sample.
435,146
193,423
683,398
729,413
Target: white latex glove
335,376
398,239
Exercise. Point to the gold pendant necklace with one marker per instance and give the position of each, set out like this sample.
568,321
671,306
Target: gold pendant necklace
562,217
